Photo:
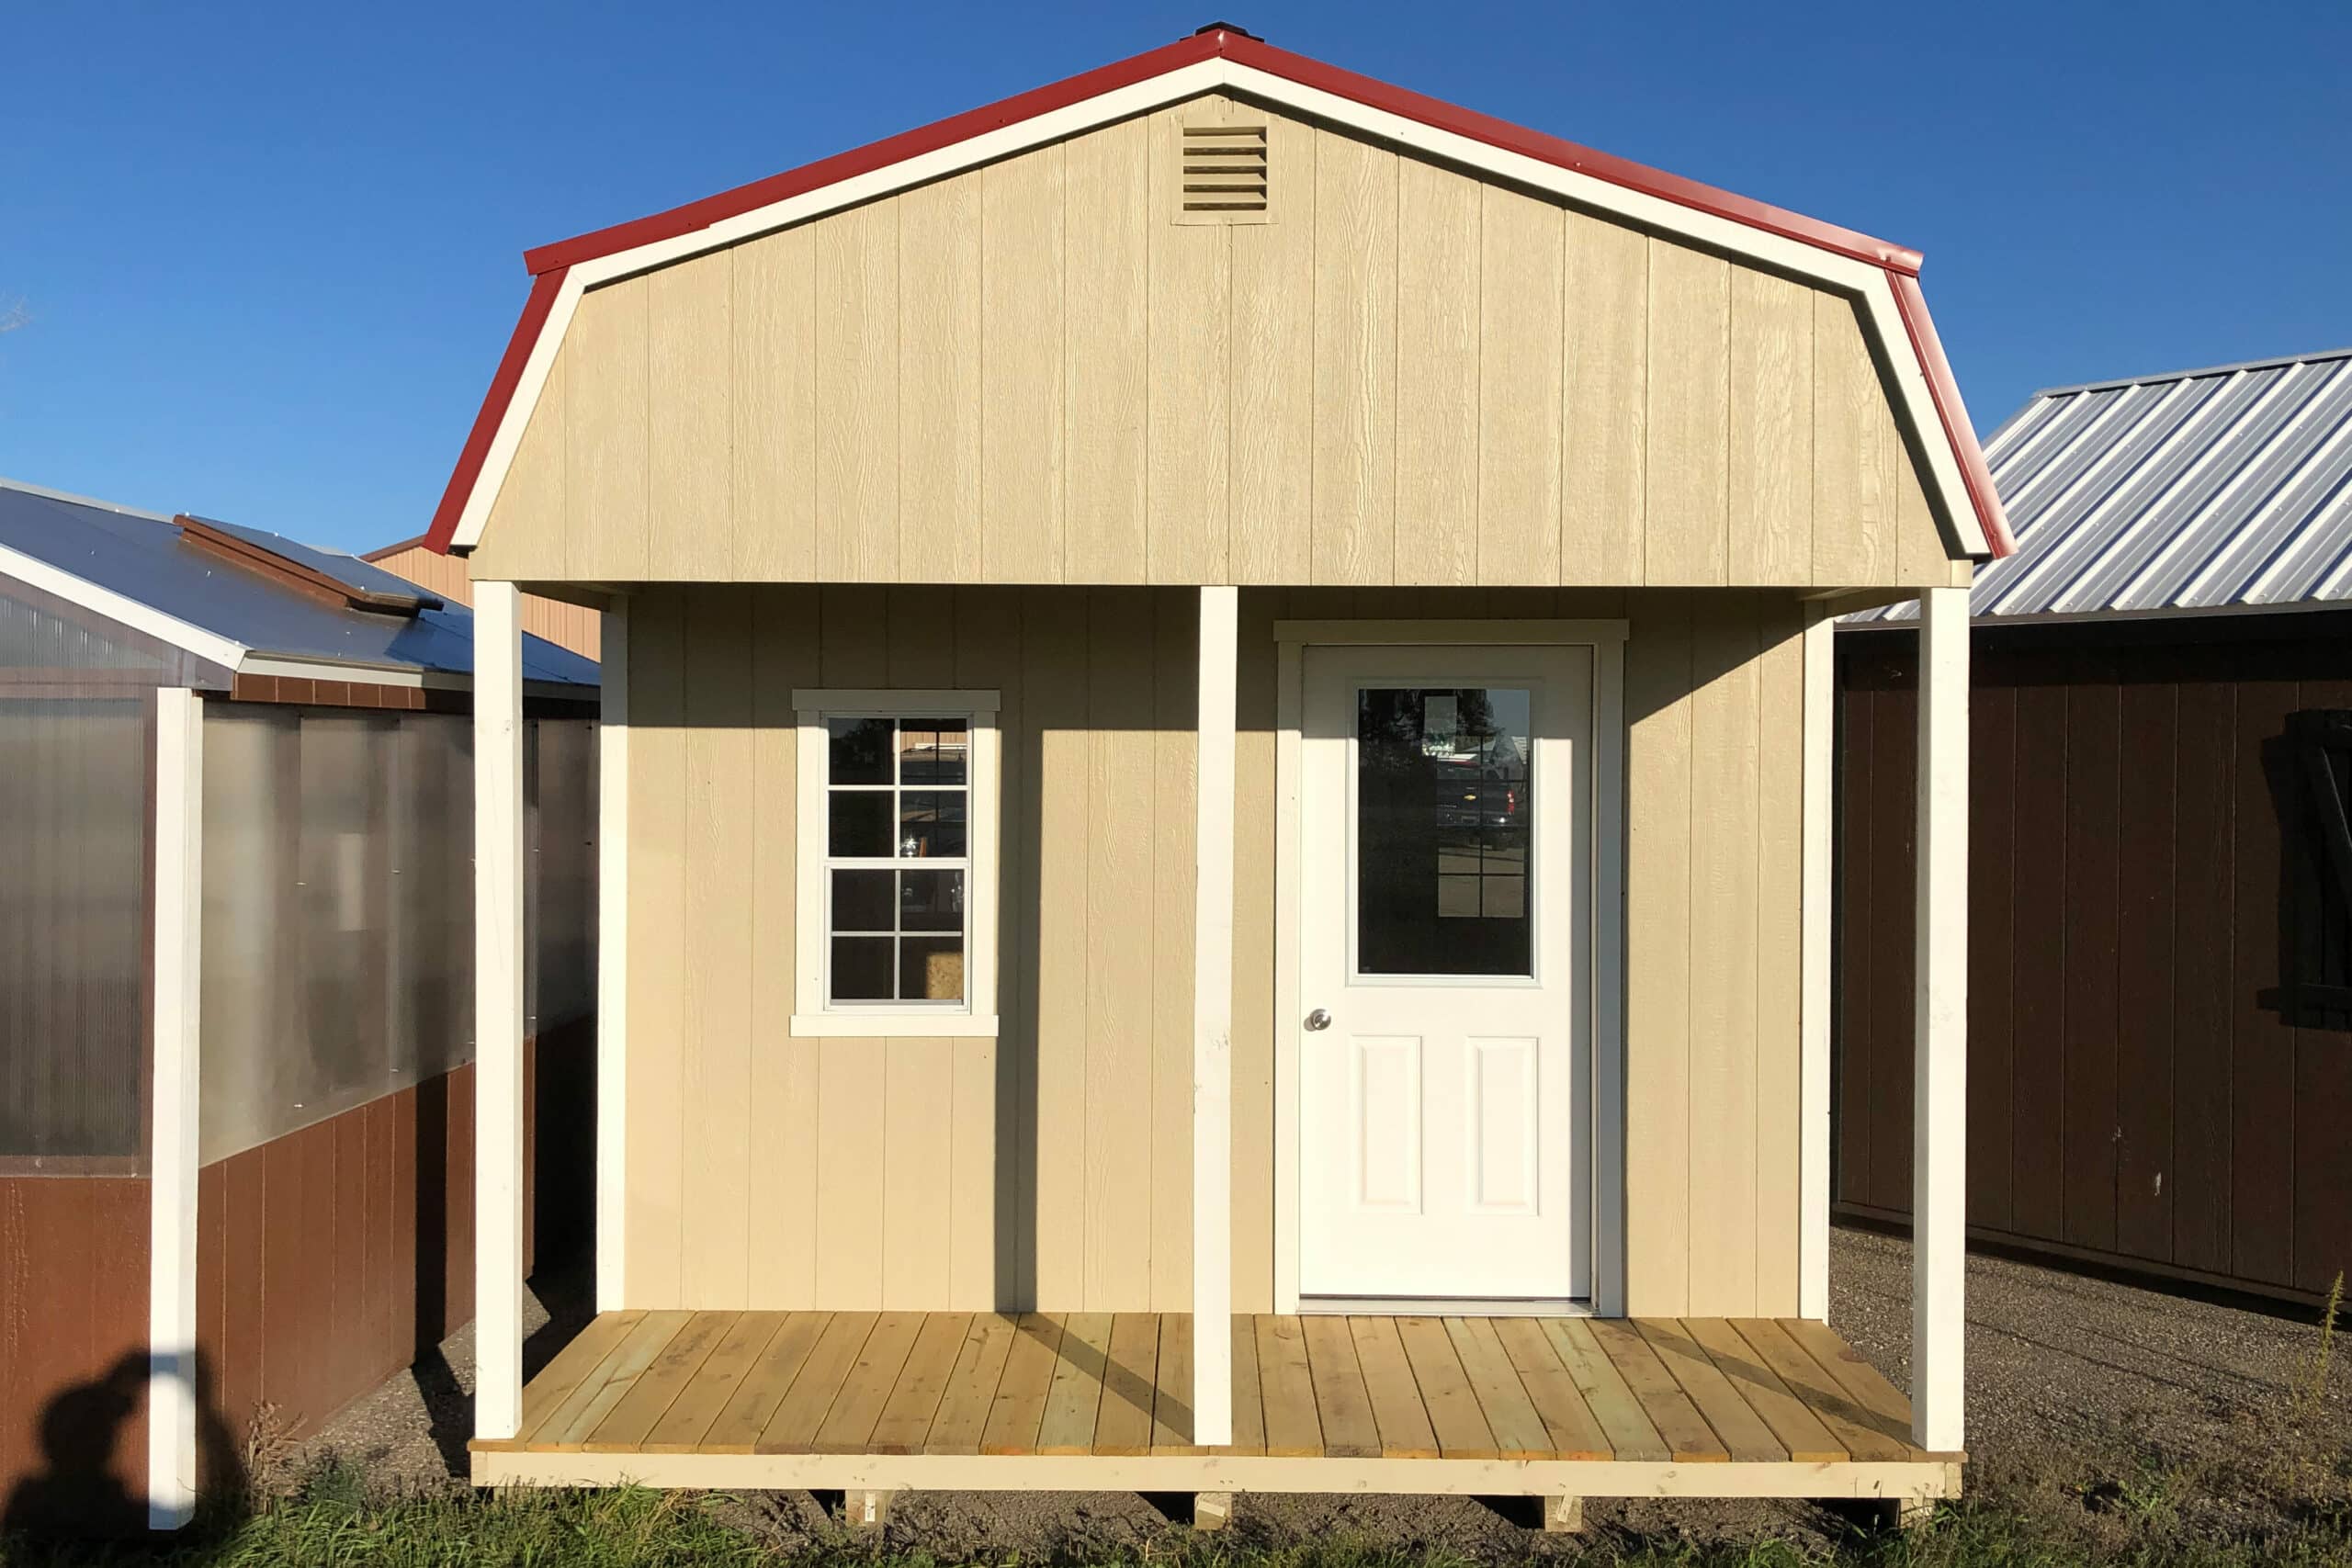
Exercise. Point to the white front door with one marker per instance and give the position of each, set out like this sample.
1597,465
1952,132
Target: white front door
1444,1049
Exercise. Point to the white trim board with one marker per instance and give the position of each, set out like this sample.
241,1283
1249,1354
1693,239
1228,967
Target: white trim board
1866,283
1607,639
498,1011
178,961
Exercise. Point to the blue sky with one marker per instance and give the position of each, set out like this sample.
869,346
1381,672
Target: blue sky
268,254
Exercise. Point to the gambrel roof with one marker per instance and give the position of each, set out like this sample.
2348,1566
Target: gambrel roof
1883,279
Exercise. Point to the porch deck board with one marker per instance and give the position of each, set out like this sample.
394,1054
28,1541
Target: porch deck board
1739,1392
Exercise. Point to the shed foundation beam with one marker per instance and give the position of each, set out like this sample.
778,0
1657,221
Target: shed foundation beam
498,1011
1939,1039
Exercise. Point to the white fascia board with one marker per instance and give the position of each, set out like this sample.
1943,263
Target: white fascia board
1865,282
105,601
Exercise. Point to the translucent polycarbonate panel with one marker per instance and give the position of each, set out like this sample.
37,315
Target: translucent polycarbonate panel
73,781
561,778
338,891
35,637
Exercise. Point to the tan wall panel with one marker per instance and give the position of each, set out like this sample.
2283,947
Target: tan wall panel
939,382
1780,956
1188,317
1853,486
1725,780
1686,531
857,394
1273,301
1522,276
1658,1197
606,486
1106,192
1355,493
1119,908
1438,252
773,364
1174,760
783,1156
1605,372
1032,373
690,326
1022,373
529,521
1051,1167
1771,429
715,1081
657,976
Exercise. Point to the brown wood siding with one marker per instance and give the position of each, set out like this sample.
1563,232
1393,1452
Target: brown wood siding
1033,372
1049,1167
2145,888
330,1259
74,1353
565,624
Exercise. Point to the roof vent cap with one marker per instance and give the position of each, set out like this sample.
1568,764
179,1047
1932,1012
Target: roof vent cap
1234,27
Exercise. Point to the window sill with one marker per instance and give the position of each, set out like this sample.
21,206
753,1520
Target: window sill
899,1025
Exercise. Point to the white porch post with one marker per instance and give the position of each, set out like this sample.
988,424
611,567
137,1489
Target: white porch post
1939,1095
171,1236
498,1011
1212,1026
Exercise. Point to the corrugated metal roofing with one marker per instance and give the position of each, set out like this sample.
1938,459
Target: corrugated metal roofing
2224,489
141,557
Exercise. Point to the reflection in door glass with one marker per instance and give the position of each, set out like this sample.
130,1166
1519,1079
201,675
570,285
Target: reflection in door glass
1442,813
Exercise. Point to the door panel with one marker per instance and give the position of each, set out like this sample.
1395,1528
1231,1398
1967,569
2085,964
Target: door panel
1445,907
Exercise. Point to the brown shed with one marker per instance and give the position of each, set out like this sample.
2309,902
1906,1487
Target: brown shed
2160,884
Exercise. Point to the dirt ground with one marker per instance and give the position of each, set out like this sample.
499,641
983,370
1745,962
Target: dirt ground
2104,1413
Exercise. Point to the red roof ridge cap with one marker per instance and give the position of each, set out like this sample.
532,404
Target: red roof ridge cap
1243,49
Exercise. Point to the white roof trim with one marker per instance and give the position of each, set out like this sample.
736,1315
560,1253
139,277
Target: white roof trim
140,617
1866,283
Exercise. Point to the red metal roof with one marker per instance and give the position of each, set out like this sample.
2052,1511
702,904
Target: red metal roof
550,263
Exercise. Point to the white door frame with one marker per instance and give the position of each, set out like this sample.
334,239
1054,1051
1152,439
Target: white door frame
1607,641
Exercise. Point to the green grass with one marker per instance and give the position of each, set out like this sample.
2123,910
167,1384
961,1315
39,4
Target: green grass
330,1521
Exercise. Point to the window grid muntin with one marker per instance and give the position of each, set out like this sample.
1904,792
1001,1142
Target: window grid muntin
897,787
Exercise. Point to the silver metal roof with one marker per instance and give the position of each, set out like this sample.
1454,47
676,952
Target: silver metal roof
2227,489
139,558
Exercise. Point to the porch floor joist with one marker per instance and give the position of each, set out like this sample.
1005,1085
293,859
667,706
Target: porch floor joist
1094,1400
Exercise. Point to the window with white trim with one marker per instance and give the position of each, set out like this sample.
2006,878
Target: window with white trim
896,863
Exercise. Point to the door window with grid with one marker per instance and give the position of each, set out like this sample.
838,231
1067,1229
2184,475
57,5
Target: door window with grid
897,821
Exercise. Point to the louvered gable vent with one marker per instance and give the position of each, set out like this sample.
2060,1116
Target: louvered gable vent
1221,171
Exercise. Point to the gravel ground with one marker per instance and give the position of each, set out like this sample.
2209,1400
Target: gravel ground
2102,1410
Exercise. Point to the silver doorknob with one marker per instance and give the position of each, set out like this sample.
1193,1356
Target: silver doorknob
1319,1019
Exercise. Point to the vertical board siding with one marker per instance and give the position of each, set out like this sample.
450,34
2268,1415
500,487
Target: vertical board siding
74,1352
329,1258
1050,1166
2144,889
1354,485
1030,373
1105,363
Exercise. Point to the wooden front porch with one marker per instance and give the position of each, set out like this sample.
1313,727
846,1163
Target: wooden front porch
1562,1406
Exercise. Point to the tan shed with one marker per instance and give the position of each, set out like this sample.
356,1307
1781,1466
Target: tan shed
1217,712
